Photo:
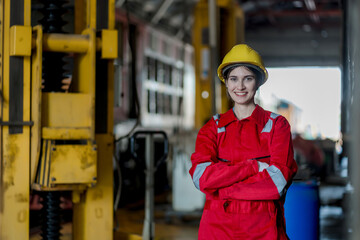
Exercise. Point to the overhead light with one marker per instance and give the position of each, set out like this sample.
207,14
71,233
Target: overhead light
324,34
298,4
205,94
314,43
310,4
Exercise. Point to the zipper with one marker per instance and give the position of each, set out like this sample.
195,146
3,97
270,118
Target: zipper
259,158
223,160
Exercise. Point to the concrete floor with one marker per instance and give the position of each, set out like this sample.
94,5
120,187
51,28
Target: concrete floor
178,226
170,225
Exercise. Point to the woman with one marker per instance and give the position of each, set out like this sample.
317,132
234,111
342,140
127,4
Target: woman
243,159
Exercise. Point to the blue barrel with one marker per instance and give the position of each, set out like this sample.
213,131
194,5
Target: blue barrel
302,211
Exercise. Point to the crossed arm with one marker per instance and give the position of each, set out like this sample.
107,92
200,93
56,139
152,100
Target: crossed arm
247,180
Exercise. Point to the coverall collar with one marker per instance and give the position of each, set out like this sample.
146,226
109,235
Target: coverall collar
259,116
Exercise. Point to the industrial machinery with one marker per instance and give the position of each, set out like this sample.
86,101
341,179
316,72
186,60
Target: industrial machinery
154,90
54,140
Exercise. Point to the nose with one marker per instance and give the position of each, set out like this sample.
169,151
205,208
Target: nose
240,84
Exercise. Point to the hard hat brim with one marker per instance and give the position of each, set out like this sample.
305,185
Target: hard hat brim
223,67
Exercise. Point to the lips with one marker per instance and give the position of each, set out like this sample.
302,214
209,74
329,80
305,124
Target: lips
240,93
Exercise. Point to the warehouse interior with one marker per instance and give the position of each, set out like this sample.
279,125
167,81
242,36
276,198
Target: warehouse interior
102,100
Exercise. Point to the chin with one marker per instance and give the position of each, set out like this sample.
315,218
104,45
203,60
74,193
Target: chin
244,102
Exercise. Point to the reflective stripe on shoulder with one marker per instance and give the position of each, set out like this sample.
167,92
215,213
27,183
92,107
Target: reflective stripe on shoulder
274,115
216,118
278,179
199,170
268,126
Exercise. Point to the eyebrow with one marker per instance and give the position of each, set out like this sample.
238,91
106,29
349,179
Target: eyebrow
249,75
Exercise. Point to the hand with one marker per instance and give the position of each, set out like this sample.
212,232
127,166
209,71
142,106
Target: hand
262,166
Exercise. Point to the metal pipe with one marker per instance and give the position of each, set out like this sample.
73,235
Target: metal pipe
149,225
351,61
75,43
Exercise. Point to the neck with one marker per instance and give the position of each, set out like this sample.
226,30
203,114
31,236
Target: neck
244,111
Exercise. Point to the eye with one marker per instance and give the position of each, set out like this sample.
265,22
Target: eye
249,78
232,79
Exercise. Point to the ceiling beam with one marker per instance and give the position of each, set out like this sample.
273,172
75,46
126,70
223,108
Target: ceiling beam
119,3
311,6
162,10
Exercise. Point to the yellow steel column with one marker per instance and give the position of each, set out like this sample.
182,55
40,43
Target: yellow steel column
2,10
231,31
202,65
15,127
93,214
93,209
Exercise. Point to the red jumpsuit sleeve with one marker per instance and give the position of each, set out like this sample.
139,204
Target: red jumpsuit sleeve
208,173
273,182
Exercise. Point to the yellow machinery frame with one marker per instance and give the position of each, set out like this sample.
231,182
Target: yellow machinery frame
230,19
32,122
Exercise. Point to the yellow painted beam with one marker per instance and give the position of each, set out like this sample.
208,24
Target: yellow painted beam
111,12
36,100
15,146
55,42
85,74
66,133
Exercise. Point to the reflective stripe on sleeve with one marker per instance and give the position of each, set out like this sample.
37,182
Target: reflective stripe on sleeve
278,179
199,170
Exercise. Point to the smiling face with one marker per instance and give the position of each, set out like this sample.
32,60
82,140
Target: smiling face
241,86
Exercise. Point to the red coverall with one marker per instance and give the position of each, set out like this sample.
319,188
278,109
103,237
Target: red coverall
241,202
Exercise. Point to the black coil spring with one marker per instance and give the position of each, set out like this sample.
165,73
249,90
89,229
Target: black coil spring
51,216
53,63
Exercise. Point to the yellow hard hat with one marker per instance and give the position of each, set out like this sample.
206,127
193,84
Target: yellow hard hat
243,55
